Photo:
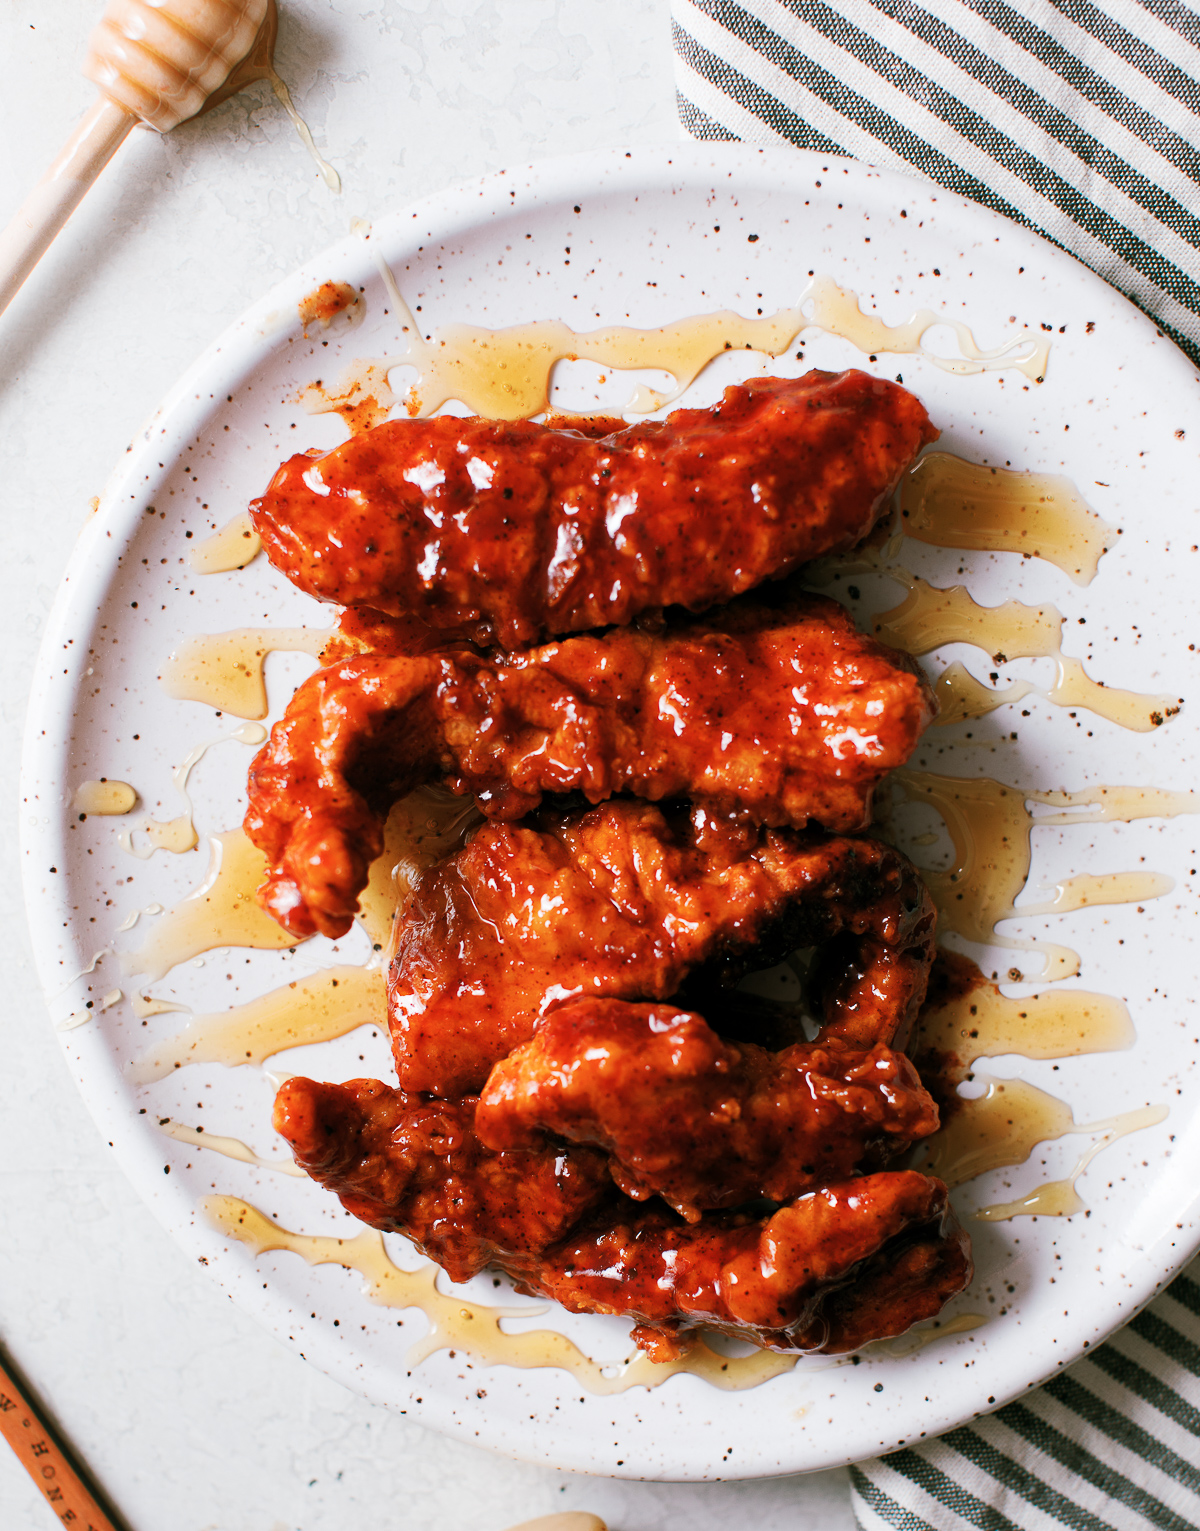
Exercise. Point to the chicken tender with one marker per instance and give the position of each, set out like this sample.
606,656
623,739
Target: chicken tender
775,716
853,1261
416,1167
882,1251
509,532
701,1122
622,902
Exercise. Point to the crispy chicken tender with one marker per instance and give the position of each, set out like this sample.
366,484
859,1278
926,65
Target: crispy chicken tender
621,901
701,1122
508,532
851,1262
415,1167
776,716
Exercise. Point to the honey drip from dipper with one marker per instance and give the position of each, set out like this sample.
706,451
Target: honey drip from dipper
157,63
143,57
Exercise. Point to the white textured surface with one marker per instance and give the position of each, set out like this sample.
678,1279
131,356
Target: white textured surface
190,1416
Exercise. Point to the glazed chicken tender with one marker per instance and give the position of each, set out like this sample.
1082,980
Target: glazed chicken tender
509,532
701,1122
623,902
850,1262
766,715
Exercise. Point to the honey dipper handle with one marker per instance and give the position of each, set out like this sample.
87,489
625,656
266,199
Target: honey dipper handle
98,136
38,1450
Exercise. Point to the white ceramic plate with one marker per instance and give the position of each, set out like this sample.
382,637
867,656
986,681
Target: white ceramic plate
1117,412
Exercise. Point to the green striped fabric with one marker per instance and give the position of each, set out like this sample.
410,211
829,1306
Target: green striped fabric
1112,1444
1078,120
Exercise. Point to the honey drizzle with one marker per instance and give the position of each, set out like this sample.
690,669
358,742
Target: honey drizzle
90,1011
837,311
146,1005
1087,890
76,1019
232,547
174,835
913,1340
1136,710
104,798
506,374
952,503
231,1148
990,824
998,1128
421,828
983,1023
1059,1198
929,618
326,1005
221,912
460,1324
1005,1124
179,834
961,697
225,670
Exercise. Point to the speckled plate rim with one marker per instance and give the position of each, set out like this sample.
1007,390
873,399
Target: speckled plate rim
92,565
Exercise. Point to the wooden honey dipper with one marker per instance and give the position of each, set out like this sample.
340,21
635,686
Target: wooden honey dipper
32,1436
158,62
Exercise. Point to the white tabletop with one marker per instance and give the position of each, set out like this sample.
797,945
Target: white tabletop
189,1415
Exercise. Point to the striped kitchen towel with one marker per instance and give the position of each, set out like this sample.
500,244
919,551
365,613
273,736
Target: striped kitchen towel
1077,118
1111,1444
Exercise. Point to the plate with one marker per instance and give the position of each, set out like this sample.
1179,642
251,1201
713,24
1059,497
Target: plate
640,239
